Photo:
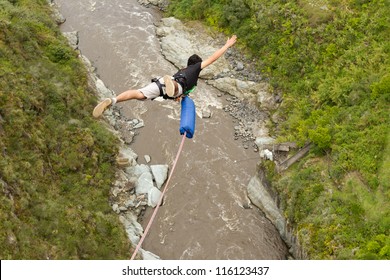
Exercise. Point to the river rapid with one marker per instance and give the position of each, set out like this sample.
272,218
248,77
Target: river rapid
206,212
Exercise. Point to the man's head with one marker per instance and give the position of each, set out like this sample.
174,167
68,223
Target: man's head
193,59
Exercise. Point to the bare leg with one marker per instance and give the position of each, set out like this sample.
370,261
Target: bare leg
130,94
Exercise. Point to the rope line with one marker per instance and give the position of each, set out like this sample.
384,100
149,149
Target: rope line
160,200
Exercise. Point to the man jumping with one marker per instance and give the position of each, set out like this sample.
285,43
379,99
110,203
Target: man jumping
170,87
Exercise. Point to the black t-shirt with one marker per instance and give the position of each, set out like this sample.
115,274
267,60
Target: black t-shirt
191,73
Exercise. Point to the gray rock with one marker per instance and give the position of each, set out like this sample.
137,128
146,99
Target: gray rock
88,64
240,66
260,197
115,208
139,124
146,255
178,43
265,100
133,229
137,170
206,113
115,191
266,140
239,88
154,196
160,174
147,158
129,203
58,17
144,183
103,91
73,39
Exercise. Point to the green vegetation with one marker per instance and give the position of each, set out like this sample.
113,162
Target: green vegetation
330,59
56,163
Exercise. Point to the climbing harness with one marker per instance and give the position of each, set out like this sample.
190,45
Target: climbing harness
179,78
187,129
160,87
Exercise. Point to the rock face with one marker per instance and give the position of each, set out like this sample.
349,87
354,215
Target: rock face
261,197
241,89
179,42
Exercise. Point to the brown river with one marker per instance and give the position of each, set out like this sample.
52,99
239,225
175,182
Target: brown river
203,216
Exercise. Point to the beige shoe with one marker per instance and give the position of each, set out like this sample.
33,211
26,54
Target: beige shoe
169,86
101,107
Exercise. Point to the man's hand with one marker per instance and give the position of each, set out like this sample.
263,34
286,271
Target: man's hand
231,41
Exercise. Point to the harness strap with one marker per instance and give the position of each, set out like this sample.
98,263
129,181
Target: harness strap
160,87
182,80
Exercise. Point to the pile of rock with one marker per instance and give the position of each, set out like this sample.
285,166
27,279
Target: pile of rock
137,187
246,117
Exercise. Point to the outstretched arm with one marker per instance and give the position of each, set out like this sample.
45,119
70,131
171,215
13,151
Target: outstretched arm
230,42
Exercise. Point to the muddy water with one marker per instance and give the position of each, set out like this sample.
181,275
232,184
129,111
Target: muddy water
203,216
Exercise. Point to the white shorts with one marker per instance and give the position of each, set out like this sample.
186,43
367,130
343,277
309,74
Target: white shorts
152,91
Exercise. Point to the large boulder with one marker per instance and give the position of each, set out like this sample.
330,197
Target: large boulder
249,90
160,174
144,183
179,42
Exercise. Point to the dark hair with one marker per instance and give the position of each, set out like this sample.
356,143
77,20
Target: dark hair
193,59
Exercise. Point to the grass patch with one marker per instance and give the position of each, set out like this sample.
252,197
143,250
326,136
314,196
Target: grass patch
56,163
